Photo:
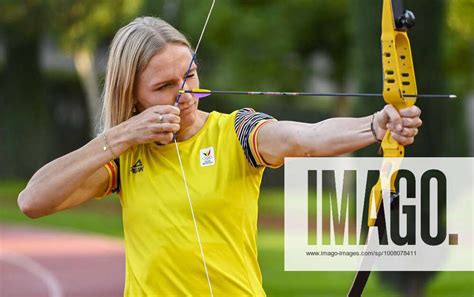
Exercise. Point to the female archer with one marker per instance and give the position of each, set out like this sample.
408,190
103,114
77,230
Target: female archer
220,156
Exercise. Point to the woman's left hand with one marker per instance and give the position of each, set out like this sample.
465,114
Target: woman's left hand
403,124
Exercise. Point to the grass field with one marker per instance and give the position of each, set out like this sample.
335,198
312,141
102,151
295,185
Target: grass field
104,217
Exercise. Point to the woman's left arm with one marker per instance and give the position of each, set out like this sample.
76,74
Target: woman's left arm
335,136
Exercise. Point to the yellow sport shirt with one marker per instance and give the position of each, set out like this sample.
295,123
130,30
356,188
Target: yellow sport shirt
223,171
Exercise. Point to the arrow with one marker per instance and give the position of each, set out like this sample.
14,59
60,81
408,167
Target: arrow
202,93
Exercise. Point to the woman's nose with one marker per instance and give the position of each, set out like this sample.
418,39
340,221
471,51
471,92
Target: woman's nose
186,99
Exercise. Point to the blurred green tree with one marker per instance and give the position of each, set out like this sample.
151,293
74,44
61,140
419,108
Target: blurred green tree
459,66
459,44
80,26
24,118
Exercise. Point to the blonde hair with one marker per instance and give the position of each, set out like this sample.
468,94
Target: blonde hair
130,52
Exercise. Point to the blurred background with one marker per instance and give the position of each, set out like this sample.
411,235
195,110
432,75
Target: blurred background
52,65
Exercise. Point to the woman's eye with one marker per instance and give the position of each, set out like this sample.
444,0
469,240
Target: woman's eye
163,87
169,84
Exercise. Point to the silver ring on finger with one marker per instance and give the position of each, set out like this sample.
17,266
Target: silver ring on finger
416,131
160,118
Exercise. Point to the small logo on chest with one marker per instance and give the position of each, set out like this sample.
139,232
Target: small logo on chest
207,157
137,167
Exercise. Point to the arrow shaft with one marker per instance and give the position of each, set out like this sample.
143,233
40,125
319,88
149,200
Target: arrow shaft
309,94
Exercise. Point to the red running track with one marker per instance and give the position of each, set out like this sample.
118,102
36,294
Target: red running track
36,262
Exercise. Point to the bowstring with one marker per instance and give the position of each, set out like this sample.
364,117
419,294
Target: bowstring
178,97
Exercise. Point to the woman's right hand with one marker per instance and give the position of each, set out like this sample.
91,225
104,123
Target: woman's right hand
155,124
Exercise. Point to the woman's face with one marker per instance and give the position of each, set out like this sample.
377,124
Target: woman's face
162,78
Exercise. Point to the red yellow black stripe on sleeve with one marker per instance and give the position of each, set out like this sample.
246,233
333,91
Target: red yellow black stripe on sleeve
247,123
112,169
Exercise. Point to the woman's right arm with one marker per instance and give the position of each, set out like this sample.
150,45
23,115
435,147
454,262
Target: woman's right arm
80,175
